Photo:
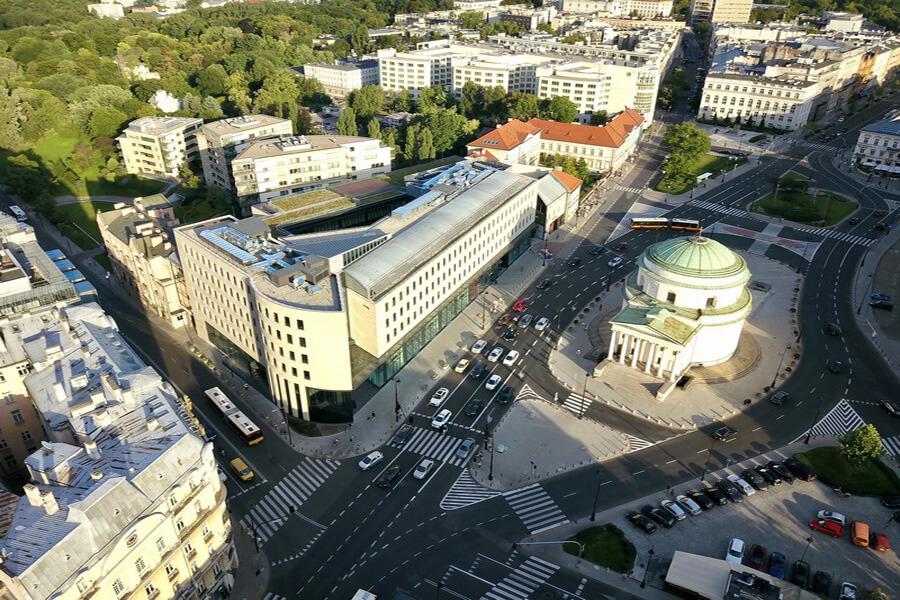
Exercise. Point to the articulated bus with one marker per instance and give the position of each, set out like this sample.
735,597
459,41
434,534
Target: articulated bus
238,420
18,213
684,224
664,223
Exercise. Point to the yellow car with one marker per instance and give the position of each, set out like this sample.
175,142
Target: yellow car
242,470
461,365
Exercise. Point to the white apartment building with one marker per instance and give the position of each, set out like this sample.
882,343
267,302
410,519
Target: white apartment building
777,102
325,312
416,69
512,72
108,10
465,5
596,86
878,146
125,500
158,145
720,11
648,9
275,167
341,78
220,141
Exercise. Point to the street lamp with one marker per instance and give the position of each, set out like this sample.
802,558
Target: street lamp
708,458
584,396
397,409
649,558
596,496
808,542
780,362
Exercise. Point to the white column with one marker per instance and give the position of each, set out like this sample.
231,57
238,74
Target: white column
625,338
638,343
662,361
674,372
651,356
612,344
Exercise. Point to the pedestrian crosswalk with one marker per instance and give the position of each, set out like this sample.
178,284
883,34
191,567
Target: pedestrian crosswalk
891,445
434,444
535,508
271,596
635,443
840,420
821,147
725,210
526,393
577,404
633,190
523,581
841,236
465,491
270,513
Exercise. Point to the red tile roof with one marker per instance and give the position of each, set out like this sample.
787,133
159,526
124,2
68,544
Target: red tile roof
482,153
505,137
611,135
570,181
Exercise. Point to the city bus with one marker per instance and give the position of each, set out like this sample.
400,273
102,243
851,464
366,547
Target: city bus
18,213
650,223
684,224
238,420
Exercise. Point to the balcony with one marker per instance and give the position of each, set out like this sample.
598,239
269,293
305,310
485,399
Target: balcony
154,594
172,574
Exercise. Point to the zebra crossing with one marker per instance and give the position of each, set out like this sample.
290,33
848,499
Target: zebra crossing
891,445
433,444
526,393
271,596
270,513
725,210
840,420
537,510
821,147
841,236
633,190
577,404
523,581
464,492
636,443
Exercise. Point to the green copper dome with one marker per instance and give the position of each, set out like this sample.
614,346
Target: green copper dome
696,256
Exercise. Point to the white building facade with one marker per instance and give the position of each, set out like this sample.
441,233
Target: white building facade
878,146
339,79
158,145
777,102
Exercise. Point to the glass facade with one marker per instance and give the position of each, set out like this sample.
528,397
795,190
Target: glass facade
238,360
329,406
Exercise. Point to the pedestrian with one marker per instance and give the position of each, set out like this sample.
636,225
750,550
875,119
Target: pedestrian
246,387
373,414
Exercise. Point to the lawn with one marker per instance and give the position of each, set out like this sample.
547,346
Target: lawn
83,220
708,163
606,546
819,210
56,147
872,478
198,210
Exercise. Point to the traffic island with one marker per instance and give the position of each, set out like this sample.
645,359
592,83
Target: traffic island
871,478
605,546
793,200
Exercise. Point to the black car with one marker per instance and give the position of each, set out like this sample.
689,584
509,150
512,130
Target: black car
701,499
716,495
388,477
882,304
832,329
505,394
597,250
510,334
836,366
641,522
854,221
620,247
891,502
544,284
770,476
663,517
782,471
822,583
891,408
575,261
754,479
402,436
730,490
477,371
800,574
725,433
474,406
800,470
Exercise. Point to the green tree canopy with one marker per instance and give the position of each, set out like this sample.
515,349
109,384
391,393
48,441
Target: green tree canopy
212,81
522,106
367,101
559,108
861,444
688,139
106,121
346,122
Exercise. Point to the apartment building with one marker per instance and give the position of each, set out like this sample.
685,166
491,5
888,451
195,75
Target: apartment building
512,72
343,77
429,65
648,9
777,102
124,500
275,167
325,313
158,145
465,5
720,11
878,146
220,141
138,240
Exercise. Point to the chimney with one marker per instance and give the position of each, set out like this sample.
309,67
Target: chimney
49,502
152,424
33,494
96,475
90,447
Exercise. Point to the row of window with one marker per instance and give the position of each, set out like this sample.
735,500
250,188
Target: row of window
760,91
881,141
734,100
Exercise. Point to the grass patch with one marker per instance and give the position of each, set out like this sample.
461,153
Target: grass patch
104,261
396,177
708,163
57,147
872,478
303,200
197,210
84,215
819,210
606,546
758,138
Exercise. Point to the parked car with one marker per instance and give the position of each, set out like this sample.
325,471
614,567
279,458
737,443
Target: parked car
641,522
777,565
478,346
473,407
525,321
827,527
505,394
836,366
782,471
879,541
834,517
615,262
742,485
541,324
462,365
882,297
520,305
800,574
492,383
832,329
758,557
495,354
441,418
891,408
735,552
402,436
544,284
511,358
688,505
597,250
672,507
510,334
439,396
725,433
754,479
574,262
779,398
702,499
848,591
822,583
716,495
730,490
800,470
769,475
659,515
504,320
388,477
370,460
423,469
477,371
465,448
883,305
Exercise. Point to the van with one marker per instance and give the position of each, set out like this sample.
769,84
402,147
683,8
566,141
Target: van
859,533
243,471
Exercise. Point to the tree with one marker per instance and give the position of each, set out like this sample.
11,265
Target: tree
346,123
276,93
449,128
210,109
303,122
688,139
367,101
583,172
212,81
106,121
239,93
373,129
431,98
876,594
861,445
522,106
471,102
409,148
495,105
404,102
600,118
560,109
359,39
471,19
425,150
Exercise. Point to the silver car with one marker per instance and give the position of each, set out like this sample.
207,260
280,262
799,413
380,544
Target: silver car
465,448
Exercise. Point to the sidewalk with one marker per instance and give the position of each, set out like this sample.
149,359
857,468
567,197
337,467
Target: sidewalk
251,578
704,187
843,163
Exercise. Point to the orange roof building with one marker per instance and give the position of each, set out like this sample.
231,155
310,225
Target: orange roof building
571,182
514,142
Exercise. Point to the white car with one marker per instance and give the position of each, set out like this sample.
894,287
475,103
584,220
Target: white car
688,505
834,517
735,552
511,358
478,346
742,485
615,262
441,418
370,460
848,591
423,469
439,397
492,382
674,509
495,354
541,324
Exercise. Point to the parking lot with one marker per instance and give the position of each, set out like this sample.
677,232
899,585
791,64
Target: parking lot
778,519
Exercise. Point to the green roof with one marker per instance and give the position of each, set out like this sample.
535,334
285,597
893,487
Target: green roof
695,256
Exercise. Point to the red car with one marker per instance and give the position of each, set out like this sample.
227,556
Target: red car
879,541
827,527
504,320
520,305
879,213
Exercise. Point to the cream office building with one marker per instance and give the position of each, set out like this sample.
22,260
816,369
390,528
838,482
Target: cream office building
158,145
778,102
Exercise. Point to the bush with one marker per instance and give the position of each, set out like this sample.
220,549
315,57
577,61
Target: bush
606,546
758,138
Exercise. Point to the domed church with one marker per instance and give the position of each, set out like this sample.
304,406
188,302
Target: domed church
684,306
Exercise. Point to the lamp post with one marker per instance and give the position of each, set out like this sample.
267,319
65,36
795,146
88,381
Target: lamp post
808,542
397,409
813,424
775,377
584,396
291,510
706,466
596,496
649,558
